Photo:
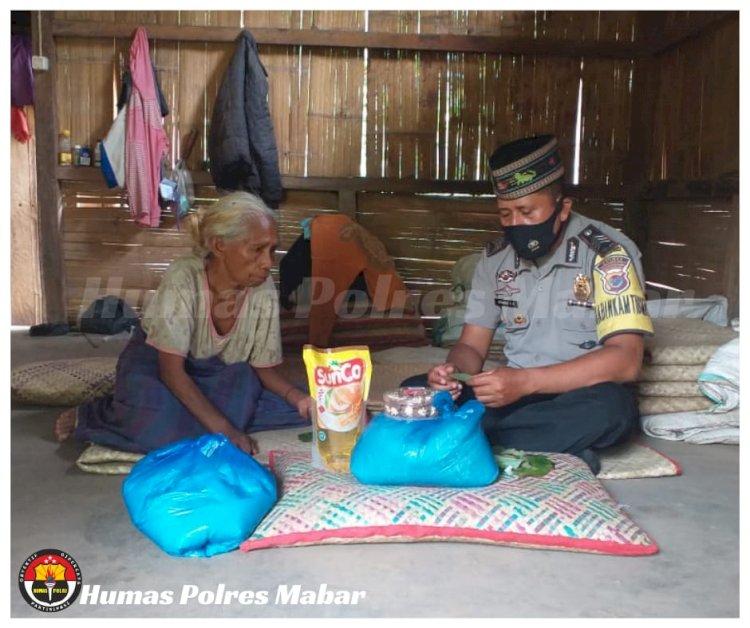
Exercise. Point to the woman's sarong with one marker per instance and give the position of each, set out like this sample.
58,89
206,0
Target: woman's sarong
143,414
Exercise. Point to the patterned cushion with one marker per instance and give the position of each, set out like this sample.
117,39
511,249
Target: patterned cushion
63,382
566,509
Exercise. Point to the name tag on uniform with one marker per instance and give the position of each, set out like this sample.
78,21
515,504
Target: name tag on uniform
506,303
586,304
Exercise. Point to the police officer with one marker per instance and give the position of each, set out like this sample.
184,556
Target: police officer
569,292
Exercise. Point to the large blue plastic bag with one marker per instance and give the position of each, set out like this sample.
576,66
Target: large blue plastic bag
450,450
198,497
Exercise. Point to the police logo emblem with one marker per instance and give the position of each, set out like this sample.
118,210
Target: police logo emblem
505,287
582,287
614,274
519,319
533,245
50,580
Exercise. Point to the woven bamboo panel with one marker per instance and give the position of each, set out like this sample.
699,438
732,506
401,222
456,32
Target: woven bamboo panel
440,115
696,121
272,19
426,235
571,25
429,114
334,125
692,246
605,137
106,252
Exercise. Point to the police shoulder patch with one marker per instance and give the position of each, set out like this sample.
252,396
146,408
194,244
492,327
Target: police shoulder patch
597,240
495,246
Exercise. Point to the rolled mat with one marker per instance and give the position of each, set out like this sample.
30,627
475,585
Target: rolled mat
669,389
661,405
685,341
670,372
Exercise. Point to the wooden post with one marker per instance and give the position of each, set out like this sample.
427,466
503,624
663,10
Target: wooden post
348,203
731,287
48,189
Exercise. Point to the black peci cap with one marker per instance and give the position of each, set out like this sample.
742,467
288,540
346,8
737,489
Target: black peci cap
525,166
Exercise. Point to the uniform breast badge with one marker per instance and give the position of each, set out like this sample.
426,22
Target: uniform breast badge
581,292
505,288
519,319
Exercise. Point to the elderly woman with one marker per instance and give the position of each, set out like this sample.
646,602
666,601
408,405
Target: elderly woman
210,339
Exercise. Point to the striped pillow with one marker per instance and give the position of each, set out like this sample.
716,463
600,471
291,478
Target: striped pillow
568,509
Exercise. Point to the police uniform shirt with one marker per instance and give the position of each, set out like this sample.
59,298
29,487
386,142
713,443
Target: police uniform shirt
588,289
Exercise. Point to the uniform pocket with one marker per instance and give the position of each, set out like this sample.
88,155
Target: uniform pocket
579,328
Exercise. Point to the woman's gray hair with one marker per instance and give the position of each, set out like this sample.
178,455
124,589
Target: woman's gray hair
230,218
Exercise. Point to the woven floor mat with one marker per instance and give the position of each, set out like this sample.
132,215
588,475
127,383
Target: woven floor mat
628,461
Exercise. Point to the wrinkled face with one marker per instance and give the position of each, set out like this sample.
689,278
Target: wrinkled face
532,209
248,261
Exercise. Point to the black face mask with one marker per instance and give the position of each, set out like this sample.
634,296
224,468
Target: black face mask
534,241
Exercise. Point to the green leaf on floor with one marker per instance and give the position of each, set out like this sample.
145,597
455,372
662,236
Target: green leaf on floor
305,437
517,463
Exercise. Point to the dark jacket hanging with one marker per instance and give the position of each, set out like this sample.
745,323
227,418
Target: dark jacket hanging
241,143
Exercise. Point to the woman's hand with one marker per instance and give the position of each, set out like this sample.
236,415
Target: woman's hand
439,378
305,407
243,442
302,402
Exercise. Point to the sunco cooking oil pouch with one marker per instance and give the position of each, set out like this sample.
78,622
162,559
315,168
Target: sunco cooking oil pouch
339,380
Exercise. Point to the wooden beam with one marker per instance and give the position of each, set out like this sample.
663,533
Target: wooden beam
358,39
48,190
661,42
371,184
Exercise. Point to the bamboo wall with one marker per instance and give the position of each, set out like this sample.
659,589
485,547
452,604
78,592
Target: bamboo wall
693,246
429,115
423,115
696,115
693,233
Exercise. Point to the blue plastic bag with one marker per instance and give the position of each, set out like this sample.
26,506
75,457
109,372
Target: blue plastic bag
198,497
450,450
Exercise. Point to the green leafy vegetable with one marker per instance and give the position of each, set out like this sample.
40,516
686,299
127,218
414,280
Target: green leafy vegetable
517,463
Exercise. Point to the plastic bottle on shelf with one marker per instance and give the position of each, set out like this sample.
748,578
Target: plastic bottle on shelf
65,155
84,158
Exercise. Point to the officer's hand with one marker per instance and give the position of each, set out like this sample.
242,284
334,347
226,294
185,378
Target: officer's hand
499,387
439,378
